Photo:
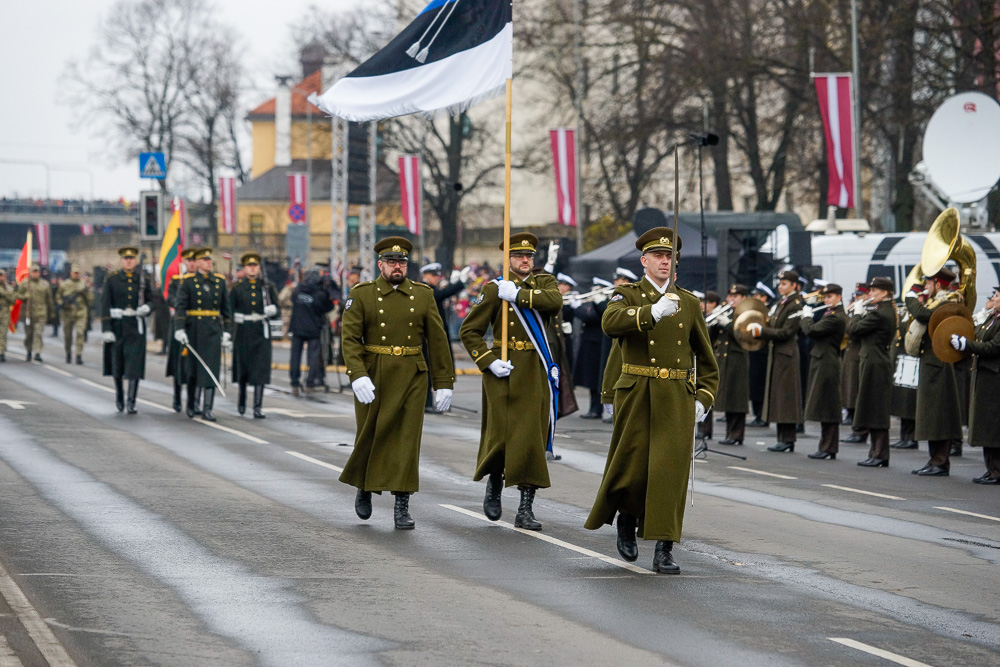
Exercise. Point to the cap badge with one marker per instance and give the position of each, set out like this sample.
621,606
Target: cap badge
396,248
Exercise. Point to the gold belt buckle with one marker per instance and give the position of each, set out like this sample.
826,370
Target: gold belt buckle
664,373
397,351
519,345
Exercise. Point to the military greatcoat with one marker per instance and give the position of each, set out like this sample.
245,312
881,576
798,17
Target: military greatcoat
873,332
904,399
849,375
649,461
174,348
939,414
827,333
383,329
252,336
984,417
202,309
515,427
126,357
783,395
734,371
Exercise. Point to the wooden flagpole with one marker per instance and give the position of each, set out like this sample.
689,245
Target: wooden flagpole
677,208
506,221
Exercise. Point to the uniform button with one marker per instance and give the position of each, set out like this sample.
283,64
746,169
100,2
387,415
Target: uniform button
678,342
383,337
412,297
652,342
678,361
412,310
380,311
681,325
725,354
407,338
411,324
381,324
380,298
653,360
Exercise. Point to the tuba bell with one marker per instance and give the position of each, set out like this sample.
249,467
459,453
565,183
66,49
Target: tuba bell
945,242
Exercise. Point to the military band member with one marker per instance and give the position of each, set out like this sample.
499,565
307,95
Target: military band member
873,328
939,415
757,361
75,298
384,324
734,370
38,308
904,398
7,299
823,392
667,383
124,307
984,418
850,373
254,302
710,300
518,407
590,358
201,313
783,395
175,360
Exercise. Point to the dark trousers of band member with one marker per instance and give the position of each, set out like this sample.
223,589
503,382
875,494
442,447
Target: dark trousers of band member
786,433
314,359
736,425
880,444
991,457
940,450
907,429
829,437
705,427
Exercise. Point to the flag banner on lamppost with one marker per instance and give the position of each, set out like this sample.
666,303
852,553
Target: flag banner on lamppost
298,195
564,164
227,204
455,54
411,192
834,92
42,232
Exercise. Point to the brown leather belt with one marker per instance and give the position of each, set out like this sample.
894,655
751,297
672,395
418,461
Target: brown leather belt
393,350
654,372
202,313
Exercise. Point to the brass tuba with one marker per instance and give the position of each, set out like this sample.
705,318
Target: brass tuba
945,242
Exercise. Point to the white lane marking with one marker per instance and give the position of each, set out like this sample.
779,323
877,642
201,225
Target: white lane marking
7,656
298,414
154,405
867,493
40,634
761,472
882,653
551,540
95,385
316,461
15,405
979,516
58,370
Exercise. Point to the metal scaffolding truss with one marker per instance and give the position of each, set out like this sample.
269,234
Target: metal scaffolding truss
366,223
338,197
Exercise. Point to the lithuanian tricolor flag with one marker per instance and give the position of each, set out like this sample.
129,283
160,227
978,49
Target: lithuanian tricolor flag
170,250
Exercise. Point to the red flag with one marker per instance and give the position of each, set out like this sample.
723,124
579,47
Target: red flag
834,92
227,204
298,195
42,230
87,230
411,192
20,273
564,161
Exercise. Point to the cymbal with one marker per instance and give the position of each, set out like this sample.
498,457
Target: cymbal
750,303
950,309
941,340
743,320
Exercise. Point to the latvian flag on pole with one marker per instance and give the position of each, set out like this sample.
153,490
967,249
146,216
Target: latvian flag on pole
411,191
455,54
837,108
227,204
564,162
42,230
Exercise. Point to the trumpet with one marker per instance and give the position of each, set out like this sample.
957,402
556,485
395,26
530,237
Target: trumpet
588,296
813,296
982,316
717,312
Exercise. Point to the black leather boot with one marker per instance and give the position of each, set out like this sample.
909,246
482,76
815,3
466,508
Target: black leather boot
119,395
241,401
492,506
208,395
363,504
401,513
133,390
69,358
525,514
198,400
177,396
663,560
258,402
191,397
79,360
627,547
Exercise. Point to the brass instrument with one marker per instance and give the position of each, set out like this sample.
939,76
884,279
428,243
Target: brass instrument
717,312
945,242
814,295
588,296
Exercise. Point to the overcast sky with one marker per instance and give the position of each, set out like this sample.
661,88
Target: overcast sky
41,36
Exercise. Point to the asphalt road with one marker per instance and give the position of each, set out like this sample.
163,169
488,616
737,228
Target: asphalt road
154,539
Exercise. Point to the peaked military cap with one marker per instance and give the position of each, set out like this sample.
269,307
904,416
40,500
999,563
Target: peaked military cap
737,288
523,242
790,276
883,283
250,258
832,288
394,247
203,253
188,253
657,238
128,251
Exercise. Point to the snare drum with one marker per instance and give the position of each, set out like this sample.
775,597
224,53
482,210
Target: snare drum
276,327
907,371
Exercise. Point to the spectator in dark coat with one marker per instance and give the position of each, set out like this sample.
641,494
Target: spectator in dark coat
311,301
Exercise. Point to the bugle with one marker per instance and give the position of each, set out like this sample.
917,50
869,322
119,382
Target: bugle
717,312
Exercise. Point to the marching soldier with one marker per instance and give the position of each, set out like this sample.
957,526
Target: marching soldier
939,414
201,311
826,333
385,321
984,418
75,297
174,359
872,329
124,305
783,395
519,409
667,383
254,302
39,308
7,299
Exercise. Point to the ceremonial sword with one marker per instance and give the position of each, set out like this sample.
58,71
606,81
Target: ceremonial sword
207,369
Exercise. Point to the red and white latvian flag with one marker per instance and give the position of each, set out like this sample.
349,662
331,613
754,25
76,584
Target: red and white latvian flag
837,108
227,204
564,160
298,195
411,192
42,232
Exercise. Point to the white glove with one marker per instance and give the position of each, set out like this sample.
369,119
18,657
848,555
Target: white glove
911,295
599,298
665,307
723,320
501,368
456,275
364,390
860,307
958,342
567,328
699,412
270,310
507,290
553,255
463,275
755,329
109,336
143,310
805,312
117,313
442,399
181,336
227,340
575,303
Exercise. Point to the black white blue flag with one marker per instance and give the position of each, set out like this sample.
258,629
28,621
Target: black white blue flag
455,54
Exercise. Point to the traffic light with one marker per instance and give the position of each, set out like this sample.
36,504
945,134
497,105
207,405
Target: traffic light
150,215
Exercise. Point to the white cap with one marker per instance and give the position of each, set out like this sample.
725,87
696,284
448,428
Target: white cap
601,282
433,267
819,282
764,288
625,273
700,295
563,278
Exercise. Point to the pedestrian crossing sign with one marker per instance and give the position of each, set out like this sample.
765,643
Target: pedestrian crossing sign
152,165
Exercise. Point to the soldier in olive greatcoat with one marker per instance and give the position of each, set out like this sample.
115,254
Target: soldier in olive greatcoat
7,299
124,306
823,393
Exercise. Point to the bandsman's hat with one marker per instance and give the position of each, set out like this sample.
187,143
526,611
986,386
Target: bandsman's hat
203,253
523,242
622,272
601,282
761,288
944,276
790,276
832,288
128,251
657,238
250,258
712,296
433,267
882,283
394,247
563,278
739,289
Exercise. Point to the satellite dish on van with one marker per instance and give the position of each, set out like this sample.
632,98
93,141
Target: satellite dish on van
962,147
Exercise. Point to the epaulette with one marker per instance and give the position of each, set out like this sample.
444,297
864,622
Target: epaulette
220,275
176,276
417,282
188,275
367,282
688,292
632,285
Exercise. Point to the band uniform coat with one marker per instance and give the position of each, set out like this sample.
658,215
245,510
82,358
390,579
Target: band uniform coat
734,371
939,414
823,395
252,337
984,417
783,393
126,357
873,333
904,399
174,348
202,310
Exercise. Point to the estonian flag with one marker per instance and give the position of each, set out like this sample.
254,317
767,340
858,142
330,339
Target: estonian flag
455,54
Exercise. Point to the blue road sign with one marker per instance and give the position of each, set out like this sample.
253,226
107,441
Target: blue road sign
152,165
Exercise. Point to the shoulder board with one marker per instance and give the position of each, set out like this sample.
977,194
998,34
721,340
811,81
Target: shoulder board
687,292
364,284
188,275
219,275
632,285
417,282
176,276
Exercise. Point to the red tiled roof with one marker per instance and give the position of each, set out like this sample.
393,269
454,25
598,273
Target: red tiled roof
301,90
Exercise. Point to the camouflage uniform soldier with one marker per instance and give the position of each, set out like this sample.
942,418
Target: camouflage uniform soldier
7,300
74,297
40,306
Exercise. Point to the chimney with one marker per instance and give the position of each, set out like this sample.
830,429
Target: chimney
283,123
311,58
